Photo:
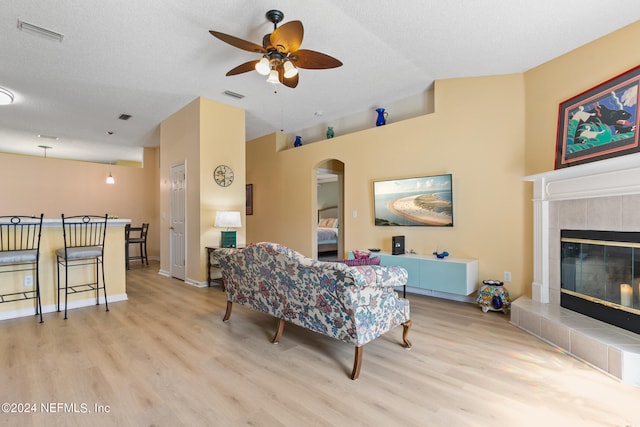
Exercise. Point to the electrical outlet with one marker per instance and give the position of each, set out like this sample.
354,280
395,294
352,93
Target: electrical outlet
28,281
507,276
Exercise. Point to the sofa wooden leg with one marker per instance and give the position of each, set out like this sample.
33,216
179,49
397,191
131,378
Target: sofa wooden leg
228,312
405,331
280,328
357,363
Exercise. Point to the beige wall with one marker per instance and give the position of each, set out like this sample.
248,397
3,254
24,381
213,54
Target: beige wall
565,77
476,133
203,134
33,185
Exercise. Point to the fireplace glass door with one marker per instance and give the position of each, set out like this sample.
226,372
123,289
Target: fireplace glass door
600,273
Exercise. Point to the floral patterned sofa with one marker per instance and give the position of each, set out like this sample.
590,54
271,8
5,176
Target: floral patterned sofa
351,304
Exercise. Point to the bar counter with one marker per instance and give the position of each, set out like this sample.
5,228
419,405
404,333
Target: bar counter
51,240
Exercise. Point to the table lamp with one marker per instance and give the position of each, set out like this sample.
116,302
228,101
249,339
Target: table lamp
228,219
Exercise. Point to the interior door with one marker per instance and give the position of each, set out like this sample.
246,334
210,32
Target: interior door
177,220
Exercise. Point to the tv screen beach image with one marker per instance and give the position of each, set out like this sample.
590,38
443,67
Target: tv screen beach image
423,201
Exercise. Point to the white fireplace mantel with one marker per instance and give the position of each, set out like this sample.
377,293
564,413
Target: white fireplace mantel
618,176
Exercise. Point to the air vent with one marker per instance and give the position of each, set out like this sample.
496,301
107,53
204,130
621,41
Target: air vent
55,138
233,94
34,29
124,116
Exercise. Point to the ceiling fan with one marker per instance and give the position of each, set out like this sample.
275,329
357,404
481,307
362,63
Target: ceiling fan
281,53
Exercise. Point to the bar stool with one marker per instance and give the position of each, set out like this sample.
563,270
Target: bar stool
140,240
84,237
20,252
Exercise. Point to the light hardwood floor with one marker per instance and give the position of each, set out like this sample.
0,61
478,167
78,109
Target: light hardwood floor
165,358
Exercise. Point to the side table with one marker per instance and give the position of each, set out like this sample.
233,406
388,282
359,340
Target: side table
213,254
493,297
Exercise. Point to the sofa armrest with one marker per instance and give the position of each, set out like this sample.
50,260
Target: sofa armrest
382,276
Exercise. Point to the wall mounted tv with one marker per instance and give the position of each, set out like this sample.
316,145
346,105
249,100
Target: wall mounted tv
422,201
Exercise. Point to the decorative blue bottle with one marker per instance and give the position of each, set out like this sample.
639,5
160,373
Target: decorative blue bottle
298,141
382,117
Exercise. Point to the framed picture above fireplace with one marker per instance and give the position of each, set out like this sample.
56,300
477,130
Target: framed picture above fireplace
599,123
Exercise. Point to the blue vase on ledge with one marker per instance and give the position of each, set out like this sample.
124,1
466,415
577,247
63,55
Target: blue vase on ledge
298,141
382,117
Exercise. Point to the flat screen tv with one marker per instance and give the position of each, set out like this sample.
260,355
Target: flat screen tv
422,201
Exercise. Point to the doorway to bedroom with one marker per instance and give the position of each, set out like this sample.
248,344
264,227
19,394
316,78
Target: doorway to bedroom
329,228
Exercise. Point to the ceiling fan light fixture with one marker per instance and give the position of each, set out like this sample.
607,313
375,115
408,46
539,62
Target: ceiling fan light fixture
6,97
110,179
273,77
289,70
263,67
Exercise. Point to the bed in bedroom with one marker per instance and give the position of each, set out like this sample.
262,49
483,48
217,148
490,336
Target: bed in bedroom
328,230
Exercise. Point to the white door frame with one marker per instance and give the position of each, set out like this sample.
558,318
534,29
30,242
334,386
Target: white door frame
178,221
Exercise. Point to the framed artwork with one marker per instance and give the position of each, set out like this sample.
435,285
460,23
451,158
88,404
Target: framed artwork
599,123
421,201
249,199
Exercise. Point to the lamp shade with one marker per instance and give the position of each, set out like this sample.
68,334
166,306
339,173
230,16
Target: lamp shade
263,67
273,77
289,70
228,219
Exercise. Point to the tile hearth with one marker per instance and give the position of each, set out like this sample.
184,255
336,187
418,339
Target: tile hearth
606,347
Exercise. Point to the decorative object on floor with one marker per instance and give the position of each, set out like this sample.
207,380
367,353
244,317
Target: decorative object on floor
228,219
493,296
441,255
419,201
358,306
600,123
298,141
223,175
382,117
330,132
281,56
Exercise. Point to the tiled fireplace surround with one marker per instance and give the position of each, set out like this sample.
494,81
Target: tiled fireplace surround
603,195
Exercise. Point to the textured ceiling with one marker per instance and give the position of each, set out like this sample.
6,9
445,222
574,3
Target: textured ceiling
149,58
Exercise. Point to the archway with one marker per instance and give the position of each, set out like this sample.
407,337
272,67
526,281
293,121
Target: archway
329,206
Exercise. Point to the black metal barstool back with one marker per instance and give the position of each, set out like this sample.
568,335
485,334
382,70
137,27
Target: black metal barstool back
20,252
84,237
140,240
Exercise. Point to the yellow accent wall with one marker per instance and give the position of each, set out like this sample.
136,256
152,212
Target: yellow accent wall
203,134
549,84
476,133
488,132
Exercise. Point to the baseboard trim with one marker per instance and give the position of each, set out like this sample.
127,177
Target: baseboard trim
50,308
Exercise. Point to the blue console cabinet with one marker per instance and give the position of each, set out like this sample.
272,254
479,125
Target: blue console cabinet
450,275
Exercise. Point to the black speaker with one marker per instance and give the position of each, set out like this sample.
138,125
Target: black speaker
397,245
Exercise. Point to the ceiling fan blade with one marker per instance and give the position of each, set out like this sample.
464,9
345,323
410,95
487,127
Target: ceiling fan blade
288,37
239,43
312,60
243,68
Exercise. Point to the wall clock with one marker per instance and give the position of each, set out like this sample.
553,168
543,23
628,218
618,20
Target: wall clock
223,175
